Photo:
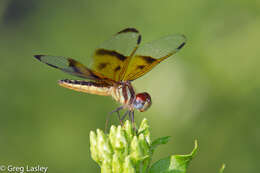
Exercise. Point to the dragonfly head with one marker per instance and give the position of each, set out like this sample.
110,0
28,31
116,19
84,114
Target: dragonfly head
142,101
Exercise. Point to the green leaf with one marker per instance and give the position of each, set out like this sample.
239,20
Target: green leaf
174,163
159,141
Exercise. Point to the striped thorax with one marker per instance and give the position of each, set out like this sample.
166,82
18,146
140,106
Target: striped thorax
124,94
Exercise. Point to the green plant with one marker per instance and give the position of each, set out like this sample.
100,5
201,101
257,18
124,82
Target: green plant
126,151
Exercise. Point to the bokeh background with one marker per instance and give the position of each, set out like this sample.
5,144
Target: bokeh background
209,91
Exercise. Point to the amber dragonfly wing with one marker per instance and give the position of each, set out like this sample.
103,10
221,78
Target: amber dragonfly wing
152,53
71,66
111,58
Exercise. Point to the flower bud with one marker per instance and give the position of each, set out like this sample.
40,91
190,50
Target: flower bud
144,145
129,130
93,147
136,152
106,167
128,166
117,166
145,129
103,146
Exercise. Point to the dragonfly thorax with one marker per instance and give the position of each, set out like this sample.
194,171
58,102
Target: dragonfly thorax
125,94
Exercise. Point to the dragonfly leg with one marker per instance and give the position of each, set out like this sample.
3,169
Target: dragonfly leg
110,113
131,117
123,117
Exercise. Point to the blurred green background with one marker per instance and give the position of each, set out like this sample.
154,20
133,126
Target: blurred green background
209,91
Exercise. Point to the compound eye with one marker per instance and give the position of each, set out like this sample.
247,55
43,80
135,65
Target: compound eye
142,101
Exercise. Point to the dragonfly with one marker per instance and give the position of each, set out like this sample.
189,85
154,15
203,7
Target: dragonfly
116,63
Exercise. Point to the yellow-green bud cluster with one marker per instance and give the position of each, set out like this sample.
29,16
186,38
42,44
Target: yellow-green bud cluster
122,150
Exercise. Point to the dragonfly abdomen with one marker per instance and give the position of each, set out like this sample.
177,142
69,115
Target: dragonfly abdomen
86,86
